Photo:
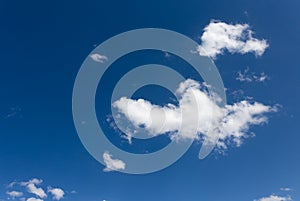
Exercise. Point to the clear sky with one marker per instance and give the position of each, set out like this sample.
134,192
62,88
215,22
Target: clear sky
44,43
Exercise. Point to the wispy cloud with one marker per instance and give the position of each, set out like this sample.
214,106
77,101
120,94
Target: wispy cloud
112,164
98,57
14,194
34,199
275,198
235,38
230,123
286,189
14,112
247,76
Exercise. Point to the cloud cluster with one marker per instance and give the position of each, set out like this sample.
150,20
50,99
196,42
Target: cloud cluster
33,187
112,164
236,38
205,119
246,76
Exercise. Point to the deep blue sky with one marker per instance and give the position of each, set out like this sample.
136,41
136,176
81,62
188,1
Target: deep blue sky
42,46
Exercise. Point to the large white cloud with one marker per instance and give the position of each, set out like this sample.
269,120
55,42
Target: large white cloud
231,123
236,38
112,164
275,198
57,193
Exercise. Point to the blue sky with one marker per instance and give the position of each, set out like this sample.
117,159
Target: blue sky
43,45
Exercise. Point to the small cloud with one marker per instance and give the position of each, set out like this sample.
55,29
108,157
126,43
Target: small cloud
73,192
275,198
57,193
286,189
235,38
14,194
246,76
14,112
98,57
34,199
112,164
167,54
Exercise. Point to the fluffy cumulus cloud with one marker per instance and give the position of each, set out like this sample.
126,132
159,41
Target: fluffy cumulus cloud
57,193
112,164
204,118
275,198
14,194
32,187
235,38
98,57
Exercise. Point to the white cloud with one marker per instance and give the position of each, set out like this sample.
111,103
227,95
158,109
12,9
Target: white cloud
285,189
230,123
275,198
246,76
236,38
14,194
98,57
31,186
112,164
34,199
57,193
32,181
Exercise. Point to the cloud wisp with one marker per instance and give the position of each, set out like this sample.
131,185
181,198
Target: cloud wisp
275,198
14,194
247,76
235,38
230,123
34,199
286,189
99,58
